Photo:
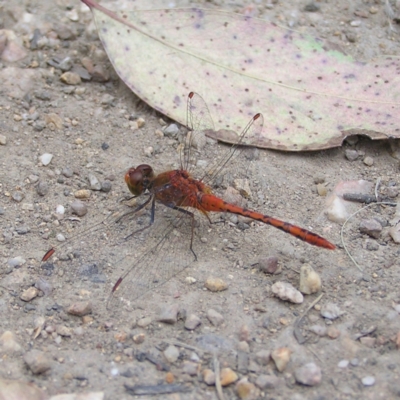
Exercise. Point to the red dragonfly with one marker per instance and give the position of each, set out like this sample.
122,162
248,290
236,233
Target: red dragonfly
187,196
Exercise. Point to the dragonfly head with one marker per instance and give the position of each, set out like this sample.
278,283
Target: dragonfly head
138,179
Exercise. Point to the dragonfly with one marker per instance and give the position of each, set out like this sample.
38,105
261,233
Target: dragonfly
190,197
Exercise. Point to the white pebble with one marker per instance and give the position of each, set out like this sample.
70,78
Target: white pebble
60,209
46,158
285,291
114,371
60,237
310,282
343,363
368,381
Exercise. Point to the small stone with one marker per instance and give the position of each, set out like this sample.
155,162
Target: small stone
322,190
371,227
8,343
190,280
192,322
29,294
311,7
227,376
46,158
244,333
67,172
246,390
18,196
392,192
368,341
268,381
355,23
394,232
139,338
62,330
169,314
60,209
333,332
373,10
281,358
82,194
3,140
285,291
215,284
37,361
169,377
351,154
318,330
94,182
310,281
53,121
368,381
148,151
331,311
243,346
79,208
343,364
107,99
209,377
171,130
270,265
190,368
368,161
60,237
70,78
171,353
16,262
215,317
106,186
140,121
80,308
371,245
308,374
144,322
398,340
42,188
263,357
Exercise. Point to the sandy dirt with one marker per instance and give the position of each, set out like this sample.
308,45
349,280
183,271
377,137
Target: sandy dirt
89,129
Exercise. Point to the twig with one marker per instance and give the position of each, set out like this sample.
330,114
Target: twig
217,378
296,327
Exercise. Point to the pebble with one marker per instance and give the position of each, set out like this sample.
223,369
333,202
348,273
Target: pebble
285,291
37,361
148,151
82,194
29,294
270,265
67,172
333,332
371,227
60,209
94,182
171,130
308,374
246,390
70,78
42,188
318,330
16,262
3,140
144,322
228,376
398,340
215,284
190,368
263,357
169,314
322,190
192,322
53,121
46,158
62,330
208,377
268,381
368,341
190,280
281,358
394,233
27,206
18,196
310,281
106,186
368,161
244,333
171,353
355,23
243,346
215,317
60,237
331,311
368,381
79,208
343,363
139,338
8,343
351,154
80,308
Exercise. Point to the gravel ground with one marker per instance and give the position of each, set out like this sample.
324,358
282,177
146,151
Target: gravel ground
65,142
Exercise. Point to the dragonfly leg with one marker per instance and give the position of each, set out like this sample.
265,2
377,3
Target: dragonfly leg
136,210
